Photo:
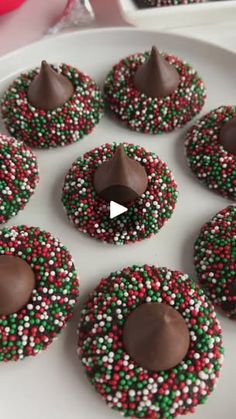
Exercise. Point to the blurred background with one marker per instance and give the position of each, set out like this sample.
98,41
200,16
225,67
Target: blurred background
24,21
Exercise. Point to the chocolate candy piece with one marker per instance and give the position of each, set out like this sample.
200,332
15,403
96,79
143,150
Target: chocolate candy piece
120,179
49,89
156,336
228,136
156,77
17,282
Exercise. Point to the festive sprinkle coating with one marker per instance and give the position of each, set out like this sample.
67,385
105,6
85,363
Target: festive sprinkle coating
34,327
153,115
215,259
161,3
59,127
124,385
18,176
210,162
90,214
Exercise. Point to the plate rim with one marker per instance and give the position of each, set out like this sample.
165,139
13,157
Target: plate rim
91,31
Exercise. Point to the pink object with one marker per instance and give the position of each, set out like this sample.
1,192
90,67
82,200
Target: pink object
67,10
28,23
9,5
34,18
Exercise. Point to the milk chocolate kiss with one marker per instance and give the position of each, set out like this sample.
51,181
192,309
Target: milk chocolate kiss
120,179
17,282
156,77
228,136
156,336
49,89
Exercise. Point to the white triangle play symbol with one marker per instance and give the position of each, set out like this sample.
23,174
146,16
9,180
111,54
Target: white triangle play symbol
116,209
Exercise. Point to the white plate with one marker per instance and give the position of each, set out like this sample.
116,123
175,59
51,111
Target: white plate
52,385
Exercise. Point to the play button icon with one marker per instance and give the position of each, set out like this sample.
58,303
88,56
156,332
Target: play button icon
116,209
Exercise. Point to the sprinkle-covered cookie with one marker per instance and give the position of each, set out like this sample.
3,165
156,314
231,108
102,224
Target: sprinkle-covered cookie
215,259
91,214
33,327
209,157
154,93
107,323
56,118
18,176
143,4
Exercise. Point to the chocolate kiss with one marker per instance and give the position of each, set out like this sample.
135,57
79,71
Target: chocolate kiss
120,179
49,89
17,282
228,136
156,77
156,336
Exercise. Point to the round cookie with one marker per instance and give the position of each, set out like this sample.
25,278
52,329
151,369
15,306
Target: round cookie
18,176
56,127
154,115
34,327
213,165
126,386
91,214
215,260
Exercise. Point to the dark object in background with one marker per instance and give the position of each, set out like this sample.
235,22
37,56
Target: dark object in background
144,4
